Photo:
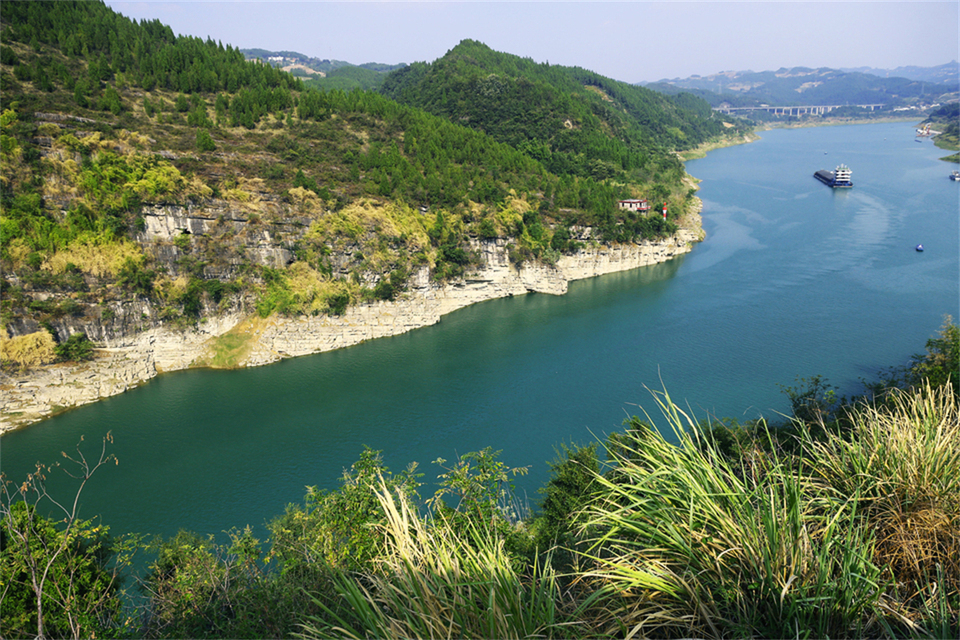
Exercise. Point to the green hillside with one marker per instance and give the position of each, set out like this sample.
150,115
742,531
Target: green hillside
576,122
309,201
946,119
348,78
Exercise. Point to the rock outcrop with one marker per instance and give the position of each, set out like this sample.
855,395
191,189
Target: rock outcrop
133,359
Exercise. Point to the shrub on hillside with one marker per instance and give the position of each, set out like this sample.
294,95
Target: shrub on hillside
77,348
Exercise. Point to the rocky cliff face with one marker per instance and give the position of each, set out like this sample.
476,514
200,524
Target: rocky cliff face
252,239
138,344
425,302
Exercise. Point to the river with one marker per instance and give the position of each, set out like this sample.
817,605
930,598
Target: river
794,279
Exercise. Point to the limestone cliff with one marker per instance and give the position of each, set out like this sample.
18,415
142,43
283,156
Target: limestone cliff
140,345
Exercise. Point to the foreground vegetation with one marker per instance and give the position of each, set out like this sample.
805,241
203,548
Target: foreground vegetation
844,522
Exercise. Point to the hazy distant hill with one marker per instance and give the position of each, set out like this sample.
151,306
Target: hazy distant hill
948,73
291,57
331,74
805,86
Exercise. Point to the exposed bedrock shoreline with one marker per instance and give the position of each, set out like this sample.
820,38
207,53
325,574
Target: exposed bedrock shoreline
128,362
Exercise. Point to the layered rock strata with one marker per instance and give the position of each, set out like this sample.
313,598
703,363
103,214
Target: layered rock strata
129,361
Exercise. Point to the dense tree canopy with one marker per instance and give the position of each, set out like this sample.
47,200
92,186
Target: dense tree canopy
148,54
575,121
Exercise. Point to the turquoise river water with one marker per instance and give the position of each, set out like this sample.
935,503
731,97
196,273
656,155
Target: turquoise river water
794,279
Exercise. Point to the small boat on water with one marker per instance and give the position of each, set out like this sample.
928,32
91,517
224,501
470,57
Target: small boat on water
955,176
919,247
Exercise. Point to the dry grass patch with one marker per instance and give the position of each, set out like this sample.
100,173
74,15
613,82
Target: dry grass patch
196,187
17,251
229,350
510,214
306,202
392,220
246,193
94,257
28,350
172,288
311,289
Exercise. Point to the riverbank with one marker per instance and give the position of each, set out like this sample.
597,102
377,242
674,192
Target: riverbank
237,340
702,150
826,121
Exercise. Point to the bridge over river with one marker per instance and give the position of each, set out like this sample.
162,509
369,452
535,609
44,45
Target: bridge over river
797,110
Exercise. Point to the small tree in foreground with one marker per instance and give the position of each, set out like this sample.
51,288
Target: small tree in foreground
58,578
482,488
336,528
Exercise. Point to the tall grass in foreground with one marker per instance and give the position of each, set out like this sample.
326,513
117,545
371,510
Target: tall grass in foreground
687,543
857,537
902,462
431,582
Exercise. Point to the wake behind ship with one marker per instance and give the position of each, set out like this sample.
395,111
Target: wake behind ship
839,178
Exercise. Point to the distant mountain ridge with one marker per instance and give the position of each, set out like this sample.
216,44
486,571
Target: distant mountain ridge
330,74
324,65
944,73
806,86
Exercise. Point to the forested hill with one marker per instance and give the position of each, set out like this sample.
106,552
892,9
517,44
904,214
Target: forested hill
148,178
112,47
575,121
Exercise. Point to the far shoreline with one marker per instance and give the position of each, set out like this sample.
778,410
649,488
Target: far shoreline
754,135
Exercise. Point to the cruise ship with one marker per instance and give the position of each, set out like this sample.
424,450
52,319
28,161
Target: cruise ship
839,178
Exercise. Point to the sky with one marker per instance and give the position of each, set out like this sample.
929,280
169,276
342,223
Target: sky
628,41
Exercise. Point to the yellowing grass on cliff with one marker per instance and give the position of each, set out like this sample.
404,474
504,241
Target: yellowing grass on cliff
311,289
18,251
306,201
94,256
392,220
511,213
29,350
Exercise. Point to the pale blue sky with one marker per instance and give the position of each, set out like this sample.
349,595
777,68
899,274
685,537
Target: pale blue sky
629,41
